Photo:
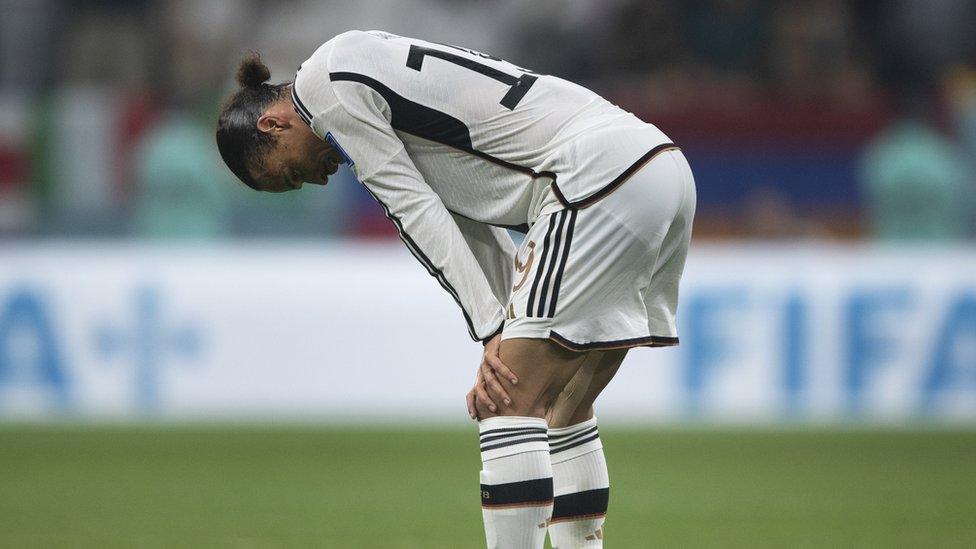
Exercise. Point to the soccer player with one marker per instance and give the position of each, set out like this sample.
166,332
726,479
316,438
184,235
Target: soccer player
457,146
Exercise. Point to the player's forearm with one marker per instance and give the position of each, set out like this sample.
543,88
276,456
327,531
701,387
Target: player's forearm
431,234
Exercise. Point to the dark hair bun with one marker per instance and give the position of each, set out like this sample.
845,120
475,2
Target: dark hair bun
252,72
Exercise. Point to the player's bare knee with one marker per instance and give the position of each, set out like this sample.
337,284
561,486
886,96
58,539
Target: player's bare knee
543,369
531,404
525,409
564,413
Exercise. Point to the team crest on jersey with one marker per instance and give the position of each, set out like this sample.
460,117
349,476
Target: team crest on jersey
335,145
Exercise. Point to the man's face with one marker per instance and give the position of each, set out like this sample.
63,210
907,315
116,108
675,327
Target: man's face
298,157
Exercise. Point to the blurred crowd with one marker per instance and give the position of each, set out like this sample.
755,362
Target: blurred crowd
802,119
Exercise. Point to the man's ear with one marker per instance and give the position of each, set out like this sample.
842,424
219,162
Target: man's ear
272,123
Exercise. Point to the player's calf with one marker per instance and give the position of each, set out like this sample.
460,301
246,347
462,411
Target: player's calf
581,483
581,486
516,476
516,481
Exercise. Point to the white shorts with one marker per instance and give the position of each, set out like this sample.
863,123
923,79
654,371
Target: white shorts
606,276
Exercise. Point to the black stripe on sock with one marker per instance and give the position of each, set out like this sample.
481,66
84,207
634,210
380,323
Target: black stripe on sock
564,435
513,443
513,435
581,504
556,441
511,430
516,493
575,444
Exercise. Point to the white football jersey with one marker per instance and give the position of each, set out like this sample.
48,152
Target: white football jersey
456,144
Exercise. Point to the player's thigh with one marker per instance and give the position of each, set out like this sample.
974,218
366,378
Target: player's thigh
543,369
575,403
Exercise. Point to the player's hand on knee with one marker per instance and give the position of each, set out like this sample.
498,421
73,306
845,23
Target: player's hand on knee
469,400
490,391
482,395
483,408
478,402
492,358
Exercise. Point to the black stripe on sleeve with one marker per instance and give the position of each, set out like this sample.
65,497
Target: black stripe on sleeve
552,265
412,117
540,265
562,262
422,121
299,106
425,261
589,503
427,123
526,492
498,331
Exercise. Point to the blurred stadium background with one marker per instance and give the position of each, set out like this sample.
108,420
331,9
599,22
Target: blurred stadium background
184,362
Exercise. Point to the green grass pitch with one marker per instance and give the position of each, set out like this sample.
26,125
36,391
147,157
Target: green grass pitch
388,487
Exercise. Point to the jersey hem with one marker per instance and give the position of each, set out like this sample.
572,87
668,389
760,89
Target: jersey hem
604,191
501,328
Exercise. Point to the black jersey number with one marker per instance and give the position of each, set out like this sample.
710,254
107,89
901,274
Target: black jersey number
518,85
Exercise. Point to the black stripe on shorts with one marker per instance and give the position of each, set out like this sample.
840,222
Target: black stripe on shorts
544,294
540,266
552,265
562,262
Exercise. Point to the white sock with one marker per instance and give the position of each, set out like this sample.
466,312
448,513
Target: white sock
516,481
581,486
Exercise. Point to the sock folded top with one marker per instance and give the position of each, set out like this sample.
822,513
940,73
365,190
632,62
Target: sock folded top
575,440
509,435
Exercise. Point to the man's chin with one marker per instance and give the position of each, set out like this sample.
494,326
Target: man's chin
323,177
